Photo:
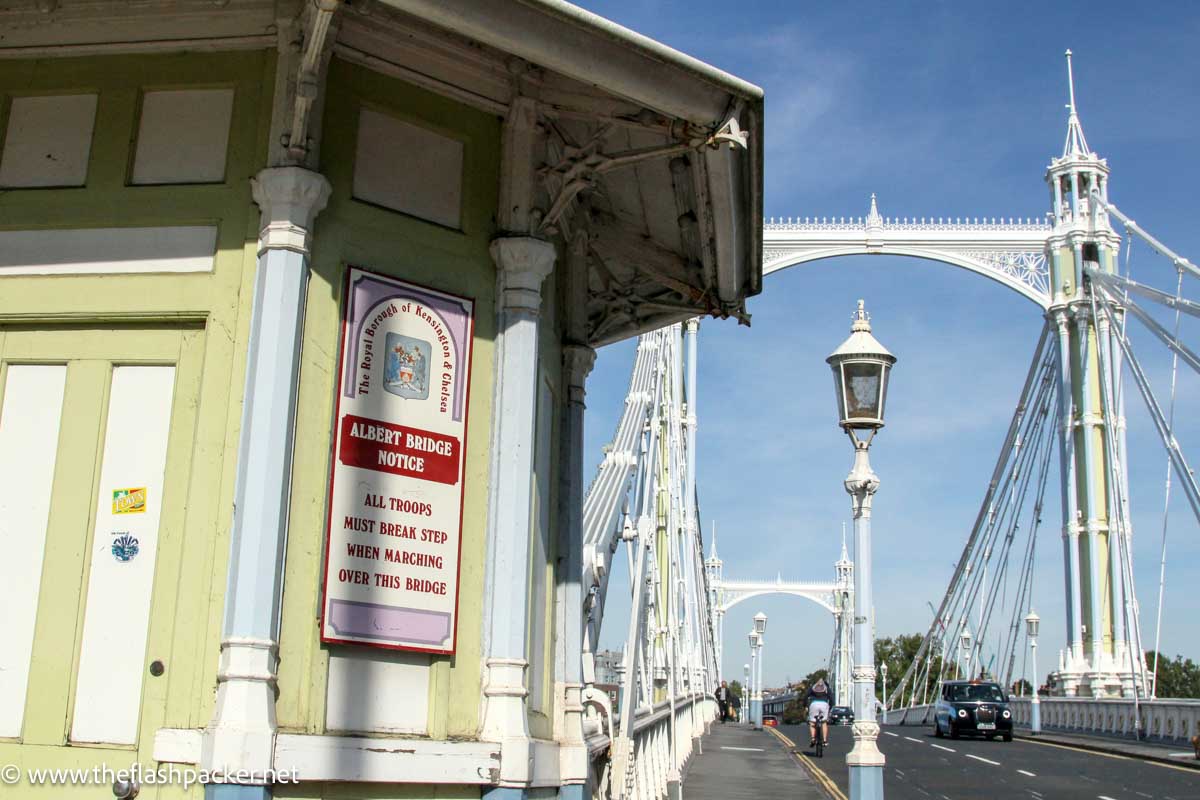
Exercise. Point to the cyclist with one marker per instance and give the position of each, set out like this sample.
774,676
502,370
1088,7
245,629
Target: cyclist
817,701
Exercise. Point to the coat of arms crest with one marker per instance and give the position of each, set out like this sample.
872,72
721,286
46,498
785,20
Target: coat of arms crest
407,367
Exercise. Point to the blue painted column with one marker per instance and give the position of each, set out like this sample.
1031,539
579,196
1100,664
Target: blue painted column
578,359
864,760
241,734
522,263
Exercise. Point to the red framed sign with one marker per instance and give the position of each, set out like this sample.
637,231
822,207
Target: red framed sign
396,487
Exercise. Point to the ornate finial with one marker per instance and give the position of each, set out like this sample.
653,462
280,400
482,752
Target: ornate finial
1076,144
862,320
873,218
1070,81
845,555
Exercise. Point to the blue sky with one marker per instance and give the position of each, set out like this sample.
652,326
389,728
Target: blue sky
941,109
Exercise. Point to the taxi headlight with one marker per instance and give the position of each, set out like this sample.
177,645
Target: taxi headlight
1007,713
962,712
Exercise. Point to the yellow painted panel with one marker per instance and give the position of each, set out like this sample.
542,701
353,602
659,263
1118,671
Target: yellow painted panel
353,232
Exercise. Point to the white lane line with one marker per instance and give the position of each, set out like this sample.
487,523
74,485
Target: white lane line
947,749
1105,797
1143,794
984,760
1181,755
889,733
918,741
1026,772
744,749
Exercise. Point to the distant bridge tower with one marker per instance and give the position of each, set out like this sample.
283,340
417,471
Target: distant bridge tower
713,566
843,618
1095,486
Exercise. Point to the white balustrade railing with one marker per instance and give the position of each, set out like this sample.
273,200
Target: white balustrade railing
640,766
1170,720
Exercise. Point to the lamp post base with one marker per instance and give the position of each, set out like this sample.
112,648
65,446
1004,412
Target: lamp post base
1035,716
866,783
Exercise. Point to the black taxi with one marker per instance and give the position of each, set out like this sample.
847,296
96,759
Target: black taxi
972,707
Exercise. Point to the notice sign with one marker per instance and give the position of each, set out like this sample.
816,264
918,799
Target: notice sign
396,492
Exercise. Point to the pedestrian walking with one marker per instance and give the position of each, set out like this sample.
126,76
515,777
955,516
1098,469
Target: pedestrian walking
723,700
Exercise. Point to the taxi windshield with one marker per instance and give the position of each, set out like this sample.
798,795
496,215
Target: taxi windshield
989,692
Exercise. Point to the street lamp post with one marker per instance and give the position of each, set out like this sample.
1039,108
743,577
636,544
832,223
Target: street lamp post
746,694
861,368
1035,707
883,669
753,672
760,629
964,639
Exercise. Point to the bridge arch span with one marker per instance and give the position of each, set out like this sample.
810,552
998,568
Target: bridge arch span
821,594
1024,273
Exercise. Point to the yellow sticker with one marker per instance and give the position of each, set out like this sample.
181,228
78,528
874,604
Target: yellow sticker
129,501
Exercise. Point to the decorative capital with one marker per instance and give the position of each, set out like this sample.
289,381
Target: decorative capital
523,263
692,324
578,360
290,198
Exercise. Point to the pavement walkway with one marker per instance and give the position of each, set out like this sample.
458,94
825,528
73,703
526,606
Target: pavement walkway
739,763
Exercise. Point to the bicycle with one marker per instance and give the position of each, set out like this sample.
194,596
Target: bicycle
819,735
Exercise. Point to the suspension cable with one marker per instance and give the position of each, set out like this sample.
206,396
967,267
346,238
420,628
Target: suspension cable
1162,563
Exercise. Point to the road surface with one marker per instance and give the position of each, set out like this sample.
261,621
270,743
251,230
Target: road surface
921,767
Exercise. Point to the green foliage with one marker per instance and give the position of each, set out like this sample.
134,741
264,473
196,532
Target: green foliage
1177,677
794,712
898,653
735,687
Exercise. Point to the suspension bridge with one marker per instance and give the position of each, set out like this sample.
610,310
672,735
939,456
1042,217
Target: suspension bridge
1069,424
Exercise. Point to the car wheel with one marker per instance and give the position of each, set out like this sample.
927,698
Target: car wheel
953,731
937,729
1008,737
991,736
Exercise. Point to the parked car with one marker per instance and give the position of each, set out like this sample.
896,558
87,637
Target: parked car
770,720
972,707
841,715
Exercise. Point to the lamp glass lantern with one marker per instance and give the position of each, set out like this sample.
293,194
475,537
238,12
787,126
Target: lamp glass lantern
753,639
760,623
1031,624
861,368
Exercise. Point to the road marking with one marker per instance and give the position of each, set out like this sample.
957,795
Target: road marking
889,733
820,777
1181,755
984,760
1143,794
744,749
918,741
1105,797
1178,767
947,749
898,772
1026,772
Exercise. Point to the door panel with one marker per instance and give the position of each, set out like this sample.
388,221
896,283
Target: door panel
111,459
34,394
108,687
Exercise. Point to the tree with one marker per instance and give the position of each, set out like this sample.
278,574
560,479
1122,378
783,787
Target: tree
898,653
1178,677
735,687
